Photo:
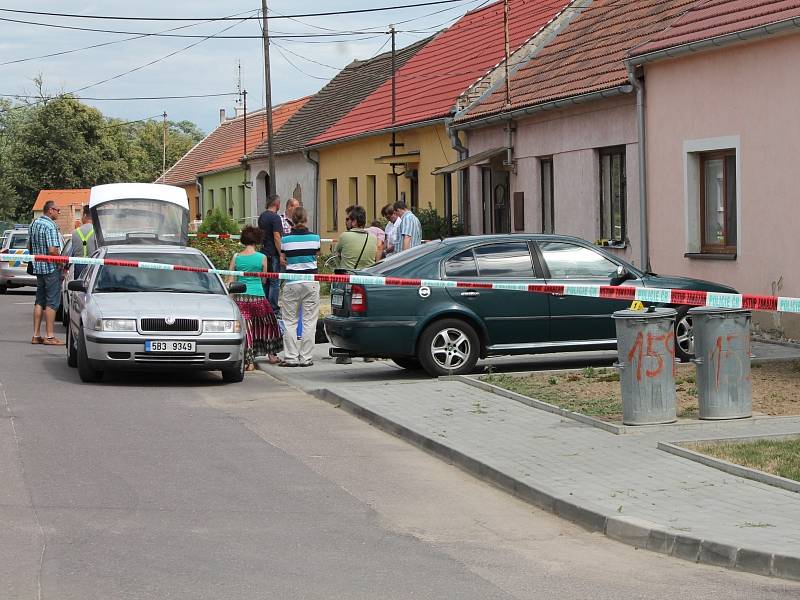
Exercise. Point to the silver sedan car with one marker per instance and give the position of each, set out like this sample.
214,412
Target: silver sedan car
126,318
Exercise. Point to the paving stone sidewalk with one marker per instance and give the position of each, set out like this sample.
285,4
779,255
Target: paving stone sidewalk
622,485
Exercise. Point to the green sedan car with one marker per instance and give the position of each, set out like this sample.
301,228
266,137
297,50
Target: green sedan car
446,330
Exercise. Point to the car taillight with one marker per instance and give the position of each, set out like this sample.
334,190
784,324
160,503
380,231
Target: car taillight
358,299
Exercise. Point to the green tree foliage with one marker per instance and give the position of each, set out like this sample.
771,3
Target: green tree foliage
218,251
434,226
61,143
218,222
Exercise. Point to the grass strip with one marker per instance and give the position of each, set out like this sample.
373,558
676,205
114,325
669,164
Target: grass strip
778,457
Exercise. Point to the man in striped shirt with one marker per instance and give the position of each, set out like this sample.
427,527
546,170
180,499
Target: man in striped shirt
300,249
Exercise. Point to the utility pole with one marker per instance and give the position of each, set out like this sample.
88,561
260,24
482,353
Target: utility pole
507,51
244,140
164,157
268,98
394,115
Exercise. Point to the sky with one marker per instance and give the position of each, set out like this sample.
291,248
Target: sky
299,67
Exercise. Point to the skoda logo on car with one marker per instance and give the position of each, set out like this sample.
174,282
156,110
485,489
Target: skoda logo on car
170,320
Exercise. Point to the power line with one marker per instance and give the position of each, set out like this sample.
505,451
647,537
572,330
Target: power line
276,16
29,97
177,35
136,37
280,51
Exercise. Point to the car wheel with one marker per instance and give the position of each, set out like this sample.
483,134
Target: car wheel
3,289
412,364
684,334
448,347
72,352
86,372
234,374
65,316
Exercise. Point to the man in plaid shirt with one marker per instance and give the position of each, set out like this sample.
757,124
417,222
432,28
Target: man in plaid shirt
45,238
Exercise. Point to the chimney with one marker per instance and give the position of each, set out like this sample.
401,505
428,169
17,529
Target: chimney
222,116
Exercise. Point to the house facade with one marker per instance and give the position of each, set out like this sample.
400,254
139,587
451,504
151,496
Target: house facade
553,148
722,144
393,145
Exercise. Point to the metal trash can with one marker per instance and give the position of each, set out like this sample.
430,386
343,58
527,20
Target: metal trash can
722,356
646,347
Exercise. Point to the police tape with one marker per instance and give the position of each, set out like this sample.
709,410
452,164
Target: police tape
230,236
610,292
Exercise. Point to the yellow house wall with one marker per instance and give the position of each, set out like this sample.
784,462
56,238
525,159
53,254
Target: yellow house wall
347,161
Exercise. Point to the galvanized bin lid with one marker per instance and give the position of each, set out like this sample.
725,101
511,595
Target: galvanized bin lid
651,313
714,310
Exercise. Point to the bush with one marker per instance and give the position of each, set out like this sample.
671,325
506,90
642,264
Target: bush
218,251
434,226
218,222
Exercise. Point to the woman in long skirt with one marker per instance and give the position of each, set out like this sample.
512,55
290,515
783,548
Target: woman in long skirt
263,333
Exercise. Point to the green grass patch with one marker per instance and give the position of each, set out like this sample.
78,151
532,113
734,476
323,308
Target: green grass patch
549,391
778,457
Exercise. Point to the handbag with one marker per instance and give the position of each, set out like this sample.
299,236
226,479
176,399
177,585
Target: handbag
29,267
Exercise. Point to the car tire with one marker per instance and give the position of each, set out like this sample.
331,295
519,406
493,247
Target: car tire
65,316
3,289
234,374
448,347
408,363
60,313
86,372
684,334
72,352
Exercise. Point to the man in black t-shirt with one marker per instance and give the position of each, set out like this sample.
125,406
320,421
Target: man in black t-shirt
270,223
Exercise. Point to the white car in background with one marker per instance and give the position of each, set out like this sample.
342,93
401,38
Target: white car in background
13,273
127,318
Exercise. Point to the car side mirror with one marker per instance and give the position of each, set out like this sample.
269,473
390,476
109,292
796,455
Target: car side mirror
237,287
76,285
622,275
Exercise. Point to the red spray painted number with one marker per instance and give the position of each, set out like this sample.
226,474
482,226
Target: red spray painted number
638,354
724,351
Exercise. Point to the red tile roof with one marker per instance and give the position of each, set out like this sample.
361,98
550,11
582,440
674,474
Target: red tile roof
77,198
232,142
586,56
429,83
712,18
223,146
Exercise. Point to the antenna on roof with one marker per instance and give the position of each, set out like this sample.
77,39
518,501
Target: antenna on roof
239,83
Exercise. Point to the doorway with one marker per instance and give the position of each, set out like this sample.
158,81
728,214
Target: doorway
496,201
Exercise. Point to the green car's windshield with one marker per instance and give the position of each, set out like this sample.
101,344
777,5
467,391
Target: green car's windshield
127,279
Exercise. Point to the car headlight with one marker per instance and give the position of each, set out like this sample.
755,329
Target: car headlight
221,327
116,325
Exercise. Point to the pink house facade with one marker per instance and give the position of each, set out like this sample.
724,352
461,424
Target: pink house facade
723,140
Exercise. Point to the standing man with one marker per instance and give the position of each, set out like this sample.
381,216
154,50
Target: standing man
300,298
410,227
357,248
83,241
45,238
286,216
270,223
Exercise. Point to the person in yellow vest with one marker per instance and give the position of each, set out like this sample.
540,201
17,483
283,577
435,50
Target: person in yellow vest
83,241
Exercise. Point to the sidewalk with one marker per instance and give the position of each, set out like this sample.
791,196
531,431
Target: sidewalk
622,485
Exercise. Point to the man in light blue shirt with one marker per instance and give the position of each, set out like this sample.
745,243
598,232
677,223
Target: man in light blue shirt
410,227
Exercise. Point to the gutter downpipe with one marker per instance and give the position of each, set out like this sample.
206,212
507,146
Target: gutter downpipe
315,162
463,152
636,82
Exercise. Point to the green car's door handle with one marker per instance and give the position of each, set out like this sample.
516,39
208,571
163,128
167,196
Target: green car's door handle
470,294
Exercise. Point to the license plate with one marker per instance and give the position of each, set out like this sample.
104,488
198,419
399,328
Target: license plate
168,346
337,300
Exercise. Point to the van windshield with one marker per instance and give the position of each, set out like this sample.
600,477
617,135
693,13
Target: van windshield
140,221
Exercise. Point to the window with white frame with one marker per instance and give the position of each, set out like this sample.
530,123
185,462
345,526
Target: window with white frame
612,194
711,179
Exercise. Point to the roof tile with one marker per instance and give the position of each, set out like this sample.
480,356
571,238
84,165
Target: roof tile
712,18
430,82
586,56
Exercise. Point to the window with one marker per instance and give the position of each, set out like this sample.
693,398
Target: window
718,201
333,205
570,261
461,265
512,259
612,194
353,190
372,200
210,198
548,206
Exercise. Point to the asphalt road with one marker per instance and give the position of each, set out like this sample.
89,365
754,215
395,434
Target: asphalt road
180,487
